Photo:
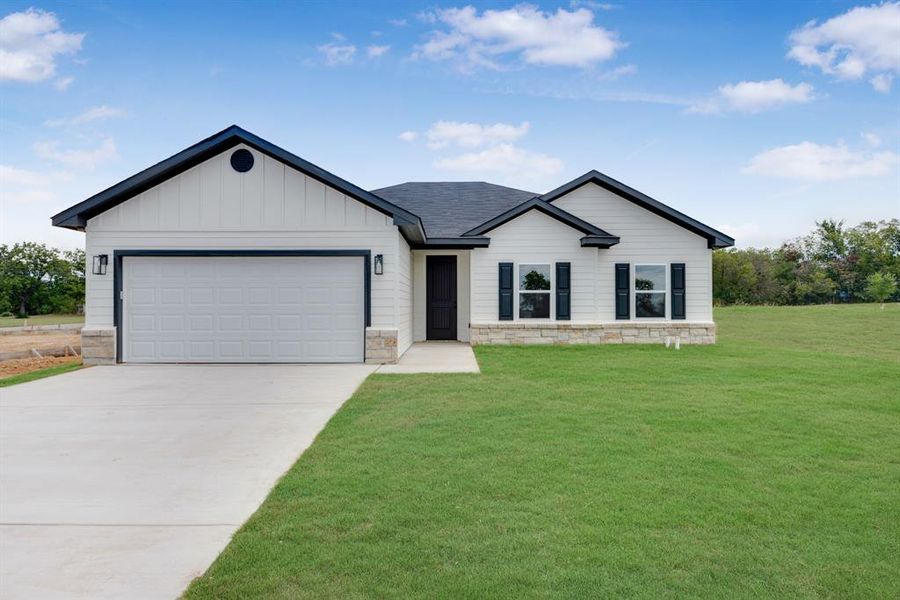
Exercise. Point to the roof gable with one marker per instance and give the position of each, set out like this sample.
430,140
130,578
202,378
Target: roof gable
715,238
75,217
593,235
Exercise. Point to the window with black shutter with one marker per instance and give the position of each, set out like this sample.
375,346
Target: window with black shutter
623,277
506,292
563,291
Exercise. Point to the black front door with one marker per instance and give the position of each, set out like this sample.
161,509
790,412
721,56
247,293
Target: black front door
440,297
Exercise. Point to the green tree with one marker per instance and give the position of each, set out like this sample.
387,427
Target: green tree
734,277
66,282
25,268
876,248
35,279
880,287
535,280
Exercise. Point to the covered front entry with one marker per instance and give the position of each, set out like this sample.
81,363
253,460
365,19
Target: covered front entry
243,309
440,298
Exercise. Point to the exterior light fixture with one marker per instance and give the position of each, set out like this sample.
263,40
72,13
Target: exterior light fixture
379,264
100,262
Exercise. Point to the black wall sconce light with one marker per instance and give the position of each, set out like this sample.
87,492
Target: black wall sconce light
379,264
100,262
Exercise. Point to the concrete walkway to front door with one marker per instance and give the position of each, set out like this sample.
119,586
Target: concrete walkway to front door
127,481
435,357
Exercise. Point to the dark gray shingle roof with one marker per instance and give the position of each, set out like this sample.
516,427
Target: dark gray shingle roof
450,208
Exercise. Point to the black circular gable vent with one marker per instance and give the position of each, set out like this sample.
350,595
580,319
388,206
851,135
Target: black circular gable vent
242,160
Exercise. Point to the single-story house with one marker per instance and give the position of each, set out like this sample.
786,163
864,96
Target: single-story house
235,250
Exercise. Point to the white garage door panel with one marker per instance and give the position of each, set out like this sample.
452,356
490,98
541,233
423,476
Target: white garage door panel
240,309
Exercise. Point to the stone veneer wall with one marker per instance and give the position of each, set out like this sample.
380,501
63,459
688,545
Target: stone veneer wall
98,346
592,333
381,346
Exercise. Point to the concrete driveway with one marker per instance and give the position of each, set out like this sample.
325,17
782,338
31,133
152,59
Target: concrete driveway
127,482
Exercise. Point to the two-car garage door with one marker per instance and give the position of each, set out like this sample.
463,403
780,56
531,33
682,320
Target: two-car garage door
243,309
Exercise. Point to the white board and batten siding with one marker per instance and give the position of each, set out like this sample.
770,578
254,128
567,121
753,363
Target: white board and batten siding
271,207
404,298
533,238
645,238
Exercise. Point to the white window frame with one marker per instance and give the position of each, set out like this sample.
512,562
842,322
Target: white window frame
666,292
520,291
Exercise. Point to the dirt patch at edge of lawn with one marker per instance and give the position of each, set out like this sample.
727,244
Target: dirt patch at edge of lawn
17,366
24,341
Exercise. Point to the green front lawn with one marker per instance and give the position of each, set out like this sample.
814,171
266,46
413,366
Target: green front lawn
41,320
40,373
765,466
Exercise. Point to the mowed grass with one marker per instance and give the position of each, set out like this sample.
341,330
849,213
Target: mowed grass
765,466
41,320
40,373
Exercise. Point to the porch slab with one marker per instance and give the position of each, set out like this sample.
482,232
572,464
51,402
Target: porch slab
435,357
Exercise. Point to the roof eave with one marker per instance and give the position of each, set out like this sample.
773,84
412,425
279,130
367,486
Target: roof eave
720,242
411,229
75,223
599,241
454,243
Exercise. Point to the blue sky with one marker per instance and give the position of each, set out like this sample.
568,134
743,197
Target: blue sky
757,119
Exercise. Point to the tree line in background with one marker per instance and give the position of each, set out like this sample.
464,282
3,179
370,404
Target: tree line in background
834,263
38,280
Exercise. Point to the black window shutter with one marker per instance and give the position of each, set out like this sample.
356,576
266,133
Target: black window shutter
563,292
677,279
506,291
623,290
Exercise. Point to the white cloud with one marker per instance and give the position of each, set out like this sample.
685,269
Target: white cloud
754,97
28,198
337,54
408,136
741,233
398,22
862,40
563,38
472,135
754,235
13,176
882,83
427,16
506,161
22,186
63,83
614,74
808,161
376,51
592,4
83,158
30,42
871,139
96,113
